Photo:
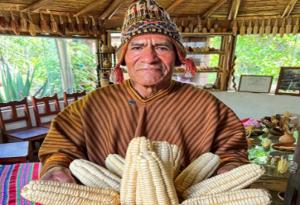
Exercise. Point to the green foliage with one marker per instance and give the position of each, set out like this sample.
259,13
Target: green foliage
43,77
264,55
14,85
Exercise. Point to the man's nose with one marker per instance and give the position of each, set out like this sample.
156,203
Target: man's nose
149,55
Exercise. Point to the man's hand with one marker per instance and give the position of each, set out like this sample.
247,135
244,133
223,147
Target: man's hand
60,174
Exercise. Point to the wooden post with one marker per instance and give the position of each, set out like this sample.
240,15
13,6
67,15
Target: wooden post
226,61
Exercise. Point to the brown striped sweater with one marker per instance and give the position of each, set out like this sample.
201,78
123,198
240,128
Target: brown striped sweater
105,120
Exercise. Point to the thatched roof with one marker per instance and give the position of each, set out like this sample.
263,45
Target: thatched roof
109,14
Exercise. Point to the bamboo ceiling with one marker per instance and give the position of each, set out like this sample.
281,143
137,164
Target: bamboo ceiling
47,17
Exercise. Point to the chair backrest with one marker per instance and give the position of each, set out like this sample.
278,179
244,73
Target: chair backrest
73,96
42,107
14,110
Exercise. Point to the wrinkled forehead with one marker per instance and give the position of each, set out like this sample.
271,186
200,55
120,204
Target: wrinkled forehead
151,38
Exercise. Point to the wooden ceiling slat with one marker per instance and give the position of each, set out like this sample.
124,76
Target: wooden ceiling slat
111,10
36,5
214,8
289,8
89,7
234,9
174,5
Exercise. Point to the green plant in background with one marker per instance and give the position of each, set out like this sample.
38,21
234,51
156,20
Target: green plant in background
14,85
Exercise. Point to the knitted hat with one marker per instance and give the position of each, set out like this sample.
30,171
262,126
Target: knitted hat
146,16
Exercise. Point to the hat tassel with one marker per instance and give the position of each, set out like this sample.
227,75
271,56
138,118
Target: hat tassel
190,66
118,74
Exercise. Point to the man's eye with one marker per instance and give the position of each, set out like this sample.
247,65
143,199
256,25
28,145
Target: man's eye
136,48
162,48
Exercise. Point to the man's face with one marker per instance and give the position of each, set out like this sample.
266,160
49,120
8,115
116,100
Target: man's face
150,59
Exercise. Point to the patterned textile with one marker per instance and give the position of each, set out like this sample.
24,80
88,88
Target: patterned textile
12,179
146,16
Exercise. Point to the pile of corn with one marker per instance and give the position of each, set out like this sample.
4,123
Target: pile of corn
149,174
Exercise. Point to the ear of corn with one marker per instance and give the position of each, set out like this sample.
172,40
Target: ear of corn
115,164
129,177
200,169
283,165
93,175
235,179
157,186
239,197
169,154
57,193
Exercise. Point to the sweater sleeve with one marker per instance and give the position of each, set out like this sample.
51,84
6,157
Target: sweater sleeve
230,141
65,139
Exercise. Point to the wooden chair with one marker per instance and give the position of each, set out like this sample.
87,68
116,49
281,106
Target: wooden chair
74,96
14,113
42,109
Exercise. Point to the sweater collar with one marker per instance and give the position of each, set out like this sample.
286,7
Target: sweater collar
158,95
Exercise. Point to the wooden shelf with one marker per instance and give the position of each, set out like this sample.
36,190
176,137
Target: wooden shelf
205,34
206,52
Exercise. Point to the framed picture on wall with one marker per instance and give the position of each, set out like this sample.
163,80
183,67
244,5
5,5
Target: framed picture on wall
255,83
288,81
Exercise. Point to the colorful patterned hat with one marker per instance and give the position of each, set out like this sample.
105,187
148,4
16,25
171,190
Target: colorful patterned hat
146,16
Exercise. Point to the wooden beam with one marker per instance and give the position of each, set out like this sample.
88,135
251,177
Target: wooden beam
36,5
289,8
89,7
213,8
235,6
174,5
111,10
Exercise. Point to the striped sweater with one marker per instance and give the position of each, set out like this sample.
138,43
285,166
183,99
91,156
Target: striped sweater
104,122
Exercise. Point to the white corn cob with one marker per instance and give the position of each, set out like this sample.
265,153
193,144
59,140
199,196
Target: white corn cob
200,169
57,193
115,164
129,177
170,155
156,186
235,179
239,197
93,175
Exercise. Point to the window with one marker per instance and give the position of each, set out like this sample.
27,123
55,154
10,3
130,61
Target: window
42,66
264,55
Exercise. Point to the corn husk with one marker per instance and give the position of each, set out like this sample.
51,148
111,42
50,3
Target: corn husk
243,28
62,26
3,22
262,28
86,24
32,26
275,28
191,25
79,26
255,27
70,25
249,28
268,27
182,27
14,24
94,29
23,23
44,24
282,28
53,24
198,28
288,28
234,28
296,26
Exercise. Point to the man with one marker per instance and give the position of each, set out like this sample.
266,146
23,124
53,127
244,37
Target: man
149,104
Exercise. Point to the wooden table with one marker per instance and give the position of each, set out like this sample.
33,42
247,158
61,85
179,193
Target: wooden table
15,152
